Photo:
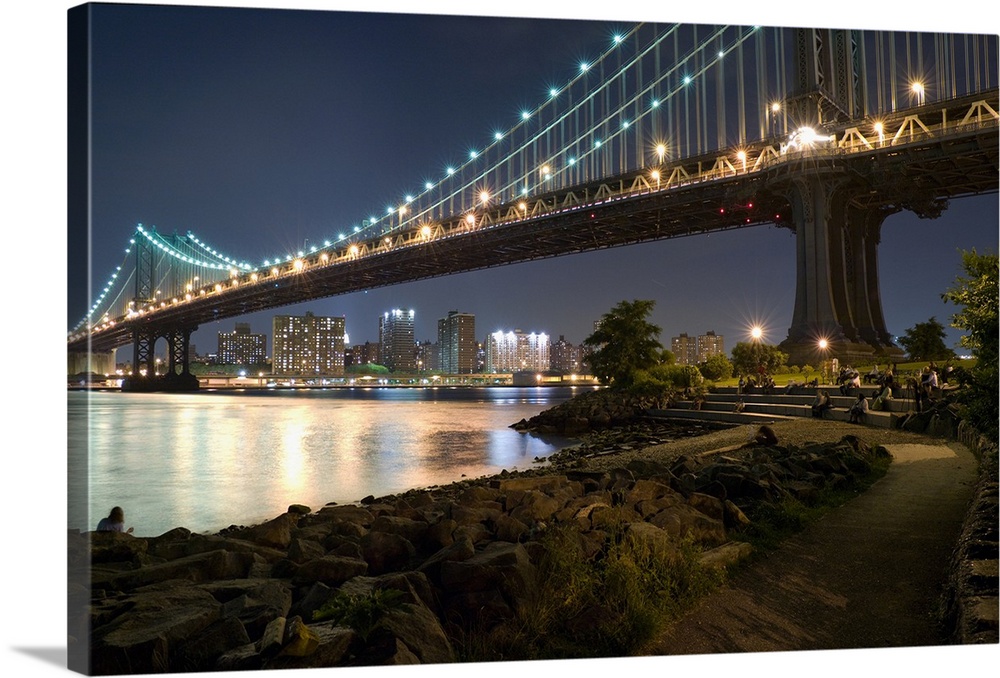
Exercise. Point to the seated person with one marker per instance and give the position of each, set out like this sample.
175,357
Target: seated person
879,402
859,409
821,404
115,522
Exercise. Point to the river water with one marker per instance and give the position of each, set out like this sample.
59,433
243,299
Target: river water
211,459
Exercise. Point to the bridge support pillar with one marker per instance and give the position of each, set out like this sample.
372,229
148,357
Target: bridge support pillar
837,298
177,376
97,363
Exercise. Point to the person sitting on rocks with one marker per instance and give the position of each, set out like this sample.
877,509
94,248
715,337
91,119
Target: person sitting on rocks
739,406
859,409
115,522
821,404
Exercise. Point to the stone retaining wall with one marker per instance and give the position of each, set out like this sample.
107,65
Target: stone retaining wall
971,604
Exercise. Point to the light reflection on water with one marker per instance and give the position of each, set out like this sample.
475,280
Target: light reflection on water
208,460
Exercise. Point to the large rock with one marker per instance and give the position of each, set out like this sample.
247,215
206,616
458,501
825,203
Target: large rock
201,653
275,533
200,568
684,521
501,566
386,552
158,621
330,570
255,602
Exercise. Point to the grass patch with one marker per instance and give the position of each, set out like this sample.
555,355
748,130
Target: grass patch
607,605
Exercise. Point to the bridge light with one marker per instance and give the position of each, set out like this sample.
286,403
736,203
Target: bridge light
218,288
656,103
450,170
473,155
298,264
409,198
522,206
353,250
274,270
687,79
584,66
618,39
553,92
484,197
425,232
323,257
428,185
498,136
775,107
661,150
470,219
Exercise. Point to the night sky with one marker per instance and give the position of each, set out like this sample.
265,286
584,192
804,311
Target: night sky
264,131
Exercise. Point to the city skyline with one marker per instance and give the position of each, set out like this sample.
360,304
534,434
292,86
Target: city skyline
267,181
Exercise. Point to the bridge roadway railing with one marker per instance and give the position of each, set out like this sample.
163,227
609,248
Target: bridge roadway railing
961,117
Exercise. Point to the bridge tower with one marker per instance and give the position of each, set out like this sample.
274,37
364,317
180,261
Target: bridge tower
837,296
177,376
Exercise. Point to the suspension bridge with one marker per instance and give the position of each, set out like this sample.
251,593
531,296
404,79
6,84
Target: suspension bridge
672,131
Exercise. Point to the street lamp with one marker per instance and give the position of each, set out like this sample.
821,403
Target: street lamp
918,89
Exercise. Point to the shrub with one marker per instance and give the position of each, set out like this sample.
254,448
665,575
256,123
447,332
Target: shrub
360,612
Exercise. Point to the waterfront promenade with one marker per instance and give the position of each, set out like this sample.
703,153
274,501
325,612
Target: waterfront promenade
868,575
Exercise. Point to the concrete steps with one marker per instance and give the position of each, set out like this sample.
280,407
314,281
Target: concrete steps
767,408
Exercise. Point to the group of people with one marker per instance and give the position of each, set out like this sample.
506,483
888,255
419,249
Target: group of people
764,382
856,413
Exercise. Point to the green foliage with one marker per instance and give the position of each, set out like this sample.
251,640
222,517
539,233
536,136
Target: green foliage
610,605
925,342
749,356
368,368
977,293
624,342
662,378
716,367
360,612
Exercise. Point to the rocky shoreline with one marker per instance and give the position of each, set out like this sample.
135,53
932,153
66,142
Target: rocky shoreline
448,558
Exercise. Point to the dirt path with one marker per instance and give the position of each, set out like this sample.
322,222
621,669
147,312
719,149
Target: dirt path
867,575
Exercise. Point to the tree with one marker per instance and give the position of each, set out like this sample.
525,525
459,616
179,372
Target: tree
977,292
925,342
624,342
749,357
716,367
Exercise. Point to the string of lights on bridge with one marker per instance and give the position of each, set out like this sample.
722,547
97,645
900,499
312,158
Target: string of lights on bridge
483,196
680,74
